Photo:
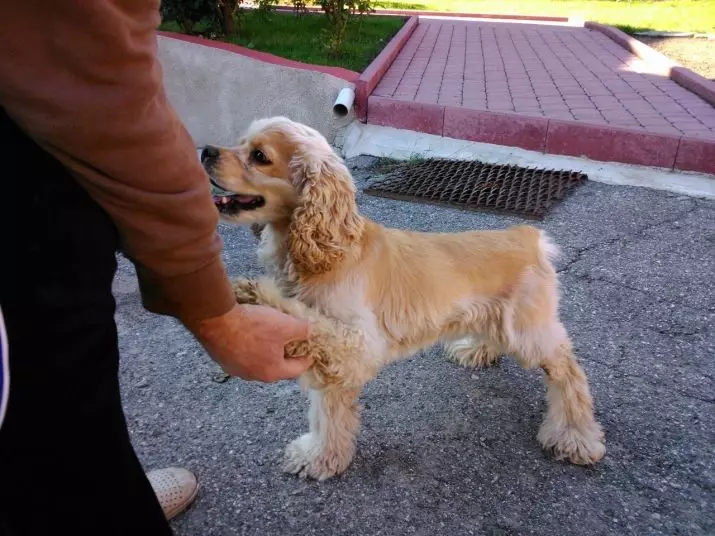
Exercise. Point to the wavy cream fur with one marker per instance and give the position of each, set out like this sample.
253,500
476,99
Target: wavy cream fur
377,294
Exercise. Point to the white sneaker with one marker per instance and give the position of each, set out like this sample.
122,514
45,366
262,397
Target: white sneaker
175,487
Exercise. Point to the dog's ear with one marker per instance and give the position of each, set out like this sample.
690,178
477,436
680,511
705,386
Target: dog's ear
325,222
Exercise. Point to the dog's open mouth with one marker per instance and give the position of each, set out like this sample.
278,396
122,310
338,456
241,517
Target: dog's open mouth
235,203
231,203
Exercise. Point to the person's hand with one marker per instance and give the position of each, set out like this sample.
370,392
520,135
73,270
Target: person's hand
249,342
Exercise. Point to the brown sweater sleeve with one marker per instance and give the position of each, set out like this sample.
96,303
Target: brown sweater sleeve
82,78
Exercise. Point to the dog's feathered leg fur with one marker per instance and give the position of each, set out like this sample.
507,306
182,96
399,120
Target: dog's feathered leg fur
541,340
329,447
569,428
473,352
335,380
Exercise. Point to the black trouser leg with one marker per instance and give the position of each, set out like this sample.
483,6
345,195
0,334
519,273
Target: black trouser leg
66,462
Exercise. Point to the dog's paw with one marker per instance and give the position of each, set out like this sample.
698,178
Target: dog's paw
582,445
471,354
245,291
305,457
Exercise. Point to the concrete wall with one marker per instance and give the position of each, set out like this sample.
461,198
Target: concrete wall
218,93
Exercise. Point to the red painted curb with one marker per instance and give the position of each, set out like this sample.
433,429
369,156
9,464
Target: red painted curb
536,18
416,116
345,74
451,14
696,155
640,49
499,128
370,77
701,86
552,136
611,144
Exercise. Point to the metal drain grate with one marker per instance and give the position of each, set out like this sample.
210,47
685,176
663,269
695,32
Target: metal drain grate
473,185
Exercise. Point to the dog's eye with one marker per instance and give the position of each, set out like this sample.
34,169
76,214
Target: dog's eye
259,157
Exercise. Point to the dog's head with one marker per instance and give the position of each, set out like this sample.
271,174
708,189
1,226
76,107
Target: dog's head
286,172
251,183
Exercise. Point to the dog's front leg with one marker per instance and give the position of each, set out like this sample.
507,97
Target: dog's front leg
328,448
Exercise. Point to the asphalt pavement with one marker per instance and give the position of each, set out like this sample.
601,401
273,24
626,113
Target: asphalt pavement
445,450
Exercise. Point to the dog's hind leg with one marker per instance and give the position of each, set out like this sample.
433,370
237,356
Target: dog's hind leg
569,428
328,448
473,351
538,339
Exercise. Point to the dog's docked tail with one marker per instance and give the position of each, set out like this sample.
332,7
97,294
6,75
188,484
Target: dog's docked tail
549,251
540,245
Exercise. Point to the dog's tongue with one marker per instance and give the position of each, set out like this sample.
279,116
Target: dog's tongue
223,199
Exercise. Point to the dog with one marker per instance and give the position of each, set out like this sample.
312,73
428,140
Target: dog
391,292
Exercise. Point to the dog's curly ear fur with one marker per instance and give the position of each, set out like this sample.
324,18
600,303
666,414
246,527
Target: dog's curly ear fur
325,222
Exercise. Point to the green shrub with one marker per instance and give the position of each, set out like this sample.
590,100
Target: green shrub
266,6
225,17
214,15
339,14
299,7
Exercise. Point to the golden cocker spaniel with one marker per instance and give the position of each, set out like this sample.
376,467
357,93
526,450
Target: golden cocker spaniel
376,294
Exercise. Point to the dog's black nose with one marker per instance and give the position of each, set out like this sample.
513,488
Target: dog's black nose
209,153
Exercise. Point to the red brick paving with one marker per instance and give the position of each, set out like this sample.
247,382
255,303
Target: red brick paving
553,72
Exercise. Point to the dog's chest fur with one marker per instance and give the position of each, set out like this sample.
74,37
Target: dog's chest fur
343,300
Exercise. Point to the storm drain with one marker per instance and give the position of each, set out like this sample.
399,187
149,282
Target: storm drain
471,185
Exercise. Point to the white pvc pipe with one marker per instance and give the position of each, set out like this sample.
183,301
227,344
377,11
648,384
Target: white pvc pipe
344,102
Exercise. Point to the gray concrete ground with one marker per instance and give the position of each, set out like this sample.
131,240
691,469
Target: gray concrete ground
444,450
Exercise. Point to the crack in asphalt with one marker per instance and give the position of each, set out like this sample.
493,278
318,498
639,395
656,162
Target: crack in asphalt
639,232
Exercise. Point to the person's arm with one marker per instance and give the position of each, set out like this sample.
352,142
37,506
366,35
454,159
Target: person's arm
82,78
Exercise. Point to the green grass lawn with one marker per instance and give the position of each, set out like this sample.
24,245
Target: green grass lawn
302,38
683,15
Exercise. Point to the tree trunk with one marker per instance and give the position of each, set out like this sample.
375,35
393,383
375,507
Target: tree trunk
227,23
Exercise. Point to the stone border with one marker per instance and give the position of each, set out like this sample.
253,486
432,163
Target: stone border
497,16
370,77
536,133
572,138
345,74
418,13
690,80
